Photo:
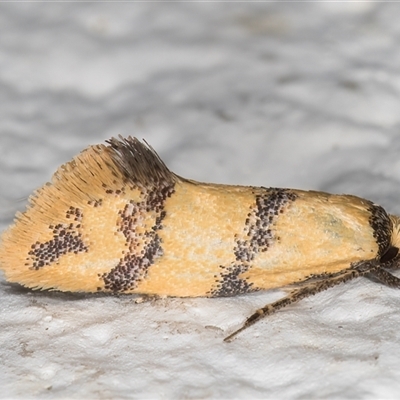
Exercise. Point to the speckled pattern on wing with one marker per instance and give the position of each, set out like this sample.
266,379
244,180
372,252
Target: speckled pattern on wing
96,220
258,236
66,238
143,245
381,225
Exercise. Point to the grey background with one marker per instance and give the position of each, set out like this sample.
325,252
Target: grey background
301,95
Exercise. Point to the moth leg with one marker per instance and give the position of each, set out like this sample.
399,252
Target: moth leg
392,264
356,270
318,277
386,278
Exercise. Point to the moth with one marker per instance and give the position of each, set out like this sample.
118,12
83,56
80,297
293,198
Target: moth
116,219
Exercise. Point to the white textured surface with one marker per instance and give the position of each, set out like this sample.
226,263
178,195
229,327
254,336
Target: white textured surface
303,95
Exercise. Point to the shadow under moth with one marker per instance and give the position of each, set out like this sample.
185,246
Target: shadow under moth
116,219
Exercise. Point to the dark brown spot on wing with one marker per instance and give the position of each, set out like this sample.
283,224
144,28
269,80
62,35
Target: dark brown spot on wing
229,283
66,239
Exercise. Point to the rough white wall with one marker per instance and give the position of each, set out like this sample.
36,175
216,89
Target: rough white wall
303,95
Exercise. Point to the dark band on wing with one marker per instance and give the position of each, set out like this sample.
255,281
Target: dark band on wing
260,235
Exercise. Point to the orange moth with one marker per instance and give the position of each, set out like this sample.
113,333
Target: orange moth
115,219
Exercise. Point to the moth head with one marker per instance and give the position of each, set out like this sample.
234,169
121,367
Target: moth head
395,239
